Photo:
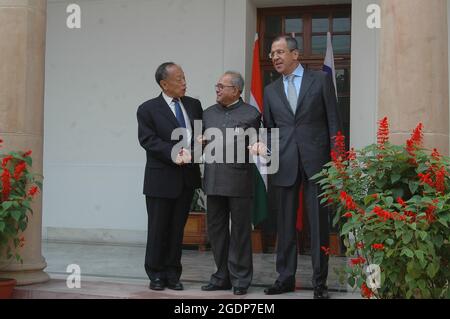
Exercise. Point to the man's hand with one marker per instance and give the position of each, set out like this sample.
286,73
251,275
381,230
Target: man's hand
258,149
201,139
183,157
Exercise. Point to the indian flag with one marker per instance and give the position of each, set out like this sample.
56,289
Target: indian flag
260,211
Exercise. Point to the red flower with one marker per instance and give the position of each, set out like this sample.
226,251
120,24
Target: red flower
6,160
326,250
349,203
22,241
436,154
360,245
401,201
6,182
382,214
348,215
351,155
28,153
33,191
430,217
415,140
18,171
357,261
378,246
339,144
375,196
383,132
366,292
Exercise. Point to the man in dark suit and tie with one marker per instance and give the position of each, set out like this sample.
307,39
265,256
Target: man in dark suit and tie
229,185
302,105
170,178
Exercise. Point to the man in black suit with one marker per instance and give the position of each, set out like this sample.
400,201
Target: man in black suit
302,105
170,178
229,185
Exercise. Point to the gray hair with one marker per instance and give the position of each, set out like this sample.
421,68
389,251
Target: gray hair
236,79
161,72
291,42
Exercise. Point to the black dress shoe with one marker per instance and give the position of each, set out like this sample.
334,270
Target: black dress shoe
278,288
239,291
157,284
212,287
175,285
321,293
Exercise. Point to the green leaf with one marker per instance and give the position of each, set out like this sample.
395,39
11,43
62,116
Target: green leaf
432,269
420,255
408,252
389,200
407,237
2,226
395,178
413,186
351,281
346,228
389,241
16,215
7,205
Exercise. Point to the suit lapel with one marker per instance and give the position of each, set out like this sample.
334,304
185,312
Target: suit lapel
279,88
188,109
307,81
167,112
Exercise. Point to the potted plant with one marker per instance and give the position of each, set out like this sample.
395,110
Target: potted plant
18,187
393,210
195,228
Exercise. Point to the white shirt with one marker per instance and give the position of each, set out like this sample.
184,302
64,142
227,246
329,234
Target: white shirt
169,101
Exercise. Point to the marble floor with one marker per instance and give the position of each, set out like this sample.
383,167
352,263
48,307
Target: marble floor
109,271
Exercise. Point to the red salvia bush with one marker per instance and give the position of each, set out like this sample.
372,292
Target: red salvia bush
393,210
18,187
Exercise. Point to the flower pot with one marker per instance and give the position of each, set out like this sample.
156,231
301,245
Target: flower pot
7,287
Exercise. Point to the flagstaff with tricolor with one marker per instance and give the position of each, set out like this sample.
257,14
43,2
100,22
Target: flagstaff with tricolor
260,211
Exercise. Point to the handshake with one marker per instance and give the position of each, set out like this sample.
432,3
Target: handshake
183,157
255,149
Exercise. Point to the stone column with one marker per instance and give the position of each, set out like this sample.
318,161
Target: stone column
22,54
413,78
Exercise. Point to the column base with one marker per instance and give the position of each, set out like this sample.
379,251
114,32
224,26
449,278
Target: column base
27,277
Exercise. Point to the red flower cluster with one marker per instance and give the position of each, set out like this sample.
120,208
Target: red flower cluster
6,181
385,215
357,261
18,171
383,132
401,201
326,250
33,191
366,292
415,141
378,246
348,200
348,215
360,245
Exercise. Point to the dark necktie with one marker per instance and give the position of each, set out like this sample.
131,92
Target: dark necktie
179,113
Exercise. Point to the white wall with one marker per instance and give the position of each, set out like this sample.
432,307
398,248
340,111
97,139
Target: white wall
97,76
364,77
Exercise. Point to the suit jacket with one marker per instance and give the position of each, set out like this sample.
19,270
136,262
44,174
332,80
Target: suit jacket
163,178
306,136
231,179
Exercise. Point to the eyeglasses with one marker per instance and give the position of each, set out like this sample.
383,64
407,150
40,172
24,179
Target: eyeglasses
278,53
220,87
